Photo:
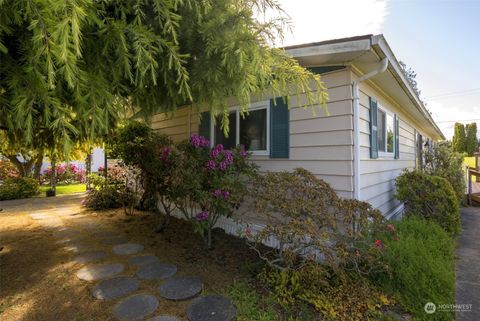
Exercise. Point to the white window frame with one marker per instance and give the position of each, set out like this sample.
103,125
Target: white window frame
385,154
253,106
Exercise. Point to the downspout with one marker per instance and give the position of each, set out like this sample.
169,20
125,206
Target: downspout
356,121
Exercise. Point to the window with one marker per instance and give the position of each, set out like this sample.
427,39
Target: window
250,130
385,132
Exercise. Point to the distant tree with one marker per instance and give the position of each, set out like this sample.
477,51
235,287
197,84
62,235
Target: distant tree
471,140
411,77
459,138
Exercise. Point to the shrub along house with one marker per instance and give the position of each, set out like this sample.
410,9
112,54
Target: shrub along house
375,126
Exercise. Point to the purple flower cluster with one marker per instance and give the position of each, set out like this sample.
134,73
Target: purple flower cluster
220,193
202,216
243,153
165,153
199,141
224,156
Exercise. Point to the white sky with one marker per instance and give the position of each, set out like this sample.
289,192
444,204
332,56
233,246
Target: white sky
317,20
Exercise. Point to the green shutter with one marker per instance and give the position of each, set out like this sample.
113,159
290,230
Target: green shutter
373,129
204,125
420,151
279,128
397,137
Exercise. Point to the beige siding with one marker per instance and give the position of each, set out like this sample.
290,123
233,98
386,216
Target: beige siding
377,176
320,141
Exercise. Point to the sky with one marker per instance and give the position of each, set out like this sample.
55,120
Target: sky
438,39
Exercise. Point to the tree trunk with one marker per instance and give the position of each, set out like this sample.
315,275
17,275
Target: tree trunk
53,179
25,168
88,169
38,166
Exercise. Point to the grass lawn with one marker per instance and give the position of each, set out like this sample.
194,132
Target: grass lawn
65,189
469,161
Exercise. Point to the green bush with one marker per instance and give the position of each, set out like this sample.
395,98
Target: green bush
421,259
444,162
19,187
105,197
430,197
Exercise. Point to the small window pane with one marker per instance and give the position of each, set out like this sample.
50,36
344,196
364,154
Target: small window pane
381,130
390,133
230,141
253,130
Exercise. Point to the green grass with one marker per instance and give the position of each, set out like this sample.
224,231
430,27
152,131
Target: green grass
469,161
64,189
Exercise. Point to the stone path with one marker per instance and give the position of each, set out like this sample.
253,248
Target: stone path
468,265
101,252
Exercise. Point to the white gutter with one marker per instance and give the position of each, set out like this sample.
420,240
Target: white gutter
356,121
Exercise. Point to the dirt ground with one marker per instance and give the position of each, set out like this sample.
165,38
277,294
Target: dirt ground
37,275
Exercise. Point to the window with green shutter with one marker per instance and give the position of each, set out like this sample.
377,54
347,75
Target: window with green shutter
279,128
397,138
373,129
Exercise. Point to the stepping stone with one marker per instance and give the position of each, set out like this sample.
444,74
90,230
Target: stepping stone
143,259
211,308
80,248
103,234
90,257
164,318
115,288
99,271
136,307
66,233
115,240
156,271
127,249
71,240
181,288
41,216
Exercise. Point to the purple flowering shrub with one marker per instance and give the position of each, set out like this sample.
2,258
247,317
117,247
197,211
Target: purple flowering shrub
212,182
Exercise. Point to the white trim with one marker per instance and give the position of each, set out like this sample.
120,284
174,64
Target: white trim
385,154
265,104
396,213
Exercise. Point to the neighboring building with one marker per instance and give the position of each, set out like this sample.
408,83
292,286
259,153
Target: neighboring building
374,127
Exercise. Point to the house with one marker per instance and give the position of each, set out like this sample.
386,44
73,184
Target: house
375,126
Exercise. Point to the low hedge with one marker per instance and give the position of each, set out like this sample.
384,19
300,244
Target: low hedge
18,187
430,197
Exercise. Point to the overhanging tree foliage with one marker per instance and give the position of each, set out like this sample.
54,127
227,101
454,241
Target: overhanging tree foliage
68,66
458,143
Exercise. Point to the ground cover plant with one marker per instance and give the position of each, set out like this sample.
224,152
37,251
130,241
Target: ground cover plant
421,260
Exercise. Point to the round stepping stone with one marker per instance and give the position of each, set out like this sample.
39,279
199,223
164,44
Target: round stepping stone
102,234
136,307
99,271
66,233
69,241
156,271
80,248
90,257
142,260
115,240
127,249
211,308
164,318
115,288
181,288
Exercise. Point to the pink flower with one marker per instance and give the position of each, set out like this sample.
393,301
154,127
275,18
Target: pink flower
248,232
211,164
223,165
165,153
228,156
391,228
202,216
379,244
217,192
225,194
199,141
